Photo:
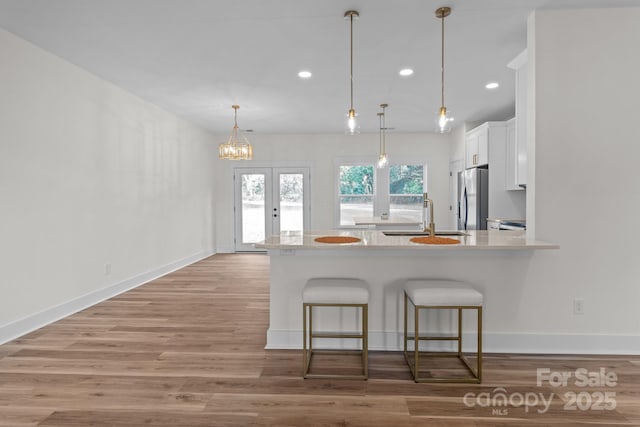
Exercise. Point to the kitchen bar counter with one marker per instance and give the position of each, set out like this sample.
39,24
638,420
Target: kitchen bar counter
494,262
372,239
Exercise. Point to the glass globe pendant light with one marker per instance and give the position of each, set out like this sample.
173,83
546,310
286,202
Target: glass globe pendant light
383,160
352,127
444,119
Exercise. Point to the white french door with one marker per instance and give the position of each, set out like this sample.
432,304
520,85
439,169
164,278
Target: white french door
268,201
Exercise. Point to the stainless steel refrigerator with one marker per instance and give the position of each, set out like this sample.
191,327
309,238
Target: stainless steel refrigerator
473,199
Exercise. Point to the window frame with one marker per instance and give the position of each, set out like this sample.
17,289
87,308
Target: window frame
381,181
351,161
405,163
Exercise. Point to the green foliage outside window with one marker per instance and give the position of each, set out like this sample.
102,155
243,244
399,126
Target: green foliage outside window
406,179
356,180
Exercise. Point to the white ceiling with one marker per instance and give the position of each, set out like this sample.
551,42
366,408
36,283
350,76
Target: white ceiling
196,58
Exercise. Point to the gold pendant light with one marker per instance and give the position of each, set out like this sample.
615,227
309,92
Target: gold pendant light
444,119
234,148
352,126
383,161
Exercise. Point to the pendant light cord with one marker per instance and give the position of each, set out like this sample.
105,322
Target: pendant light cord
442,60
381,115
351,60
235,117
384,129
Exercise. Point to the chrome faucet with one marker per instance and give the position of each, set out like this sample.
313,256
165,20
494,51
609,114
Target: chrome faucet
427,202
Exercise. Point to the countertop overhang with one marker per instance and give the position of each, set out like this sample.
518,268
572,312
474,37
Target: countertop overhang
373,239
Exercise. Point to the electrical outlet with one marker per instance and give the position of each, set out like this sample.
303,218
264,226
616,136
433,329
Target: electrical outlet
107,269
578,306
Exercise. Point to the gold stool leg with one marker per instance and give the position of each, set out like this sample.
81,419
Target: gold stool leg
459,332
405,324
365,339
479,349
305,364
416,343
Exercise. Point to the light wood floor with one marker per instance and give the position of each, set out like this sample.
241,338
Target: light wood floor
187,350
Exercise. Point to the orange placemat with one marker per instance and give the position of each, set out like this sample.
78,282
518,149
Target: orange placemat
428,240
337,239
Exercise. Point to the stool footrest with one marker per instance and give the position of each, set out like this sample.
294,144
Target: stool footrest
433,338
336,335
338,352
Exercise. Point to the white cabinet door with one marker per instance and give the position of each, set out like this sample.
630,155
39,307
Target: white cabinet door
511,158
483,146
471,150
502,203
519,64
477,146
522,133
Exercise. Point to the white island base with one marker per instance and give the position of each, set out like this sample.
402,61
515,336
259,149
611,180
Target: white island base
496,267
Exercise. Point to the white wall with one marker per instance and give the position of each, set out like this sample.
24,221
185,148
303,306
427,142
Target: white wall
90,175
319,152
456,148
587,100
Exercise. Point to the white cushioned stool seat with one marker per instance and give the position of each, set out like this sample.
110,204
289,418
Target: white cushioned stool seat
442,292
330,293
335,291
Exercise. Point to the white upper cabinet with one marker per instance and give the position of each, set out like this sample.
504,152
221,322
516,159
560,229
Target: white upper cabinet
511,158
477,146
519,64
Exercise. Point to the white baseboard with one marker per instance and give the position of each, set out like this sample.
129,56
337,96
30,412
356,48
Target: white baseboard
35,321
561,343
524,343
225,249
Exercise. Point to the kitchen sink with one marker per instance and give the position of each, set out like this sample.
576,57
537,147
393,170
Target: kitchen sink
424,233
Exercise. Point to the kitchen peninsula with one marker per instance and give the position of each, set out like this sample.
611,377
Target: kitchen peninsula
495,262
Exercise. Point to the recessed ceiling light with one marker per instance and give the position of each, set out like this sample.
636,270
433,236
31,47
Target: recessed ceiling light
405,72
304,74
492,85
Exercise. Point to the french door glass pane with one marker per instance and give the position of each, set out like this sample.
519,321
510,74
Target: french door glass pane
291,198
406,185
253,214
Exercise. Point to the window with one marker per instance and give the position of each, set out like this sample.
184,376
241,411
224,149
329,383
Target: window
356,192
365,191
406,184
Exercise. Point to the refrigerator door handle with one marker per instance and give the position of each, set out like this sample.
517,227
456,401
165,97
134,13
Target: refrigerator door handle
465,209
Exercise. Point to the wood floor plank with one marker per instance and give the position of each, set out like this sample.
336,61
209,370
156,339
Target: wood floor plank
187,349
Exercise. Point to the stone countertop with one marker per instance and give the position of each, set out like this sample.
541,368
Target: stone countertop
373,239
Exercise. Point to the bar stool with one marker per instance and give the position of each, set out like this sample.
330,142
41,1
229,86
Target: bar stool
442,294
334,292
